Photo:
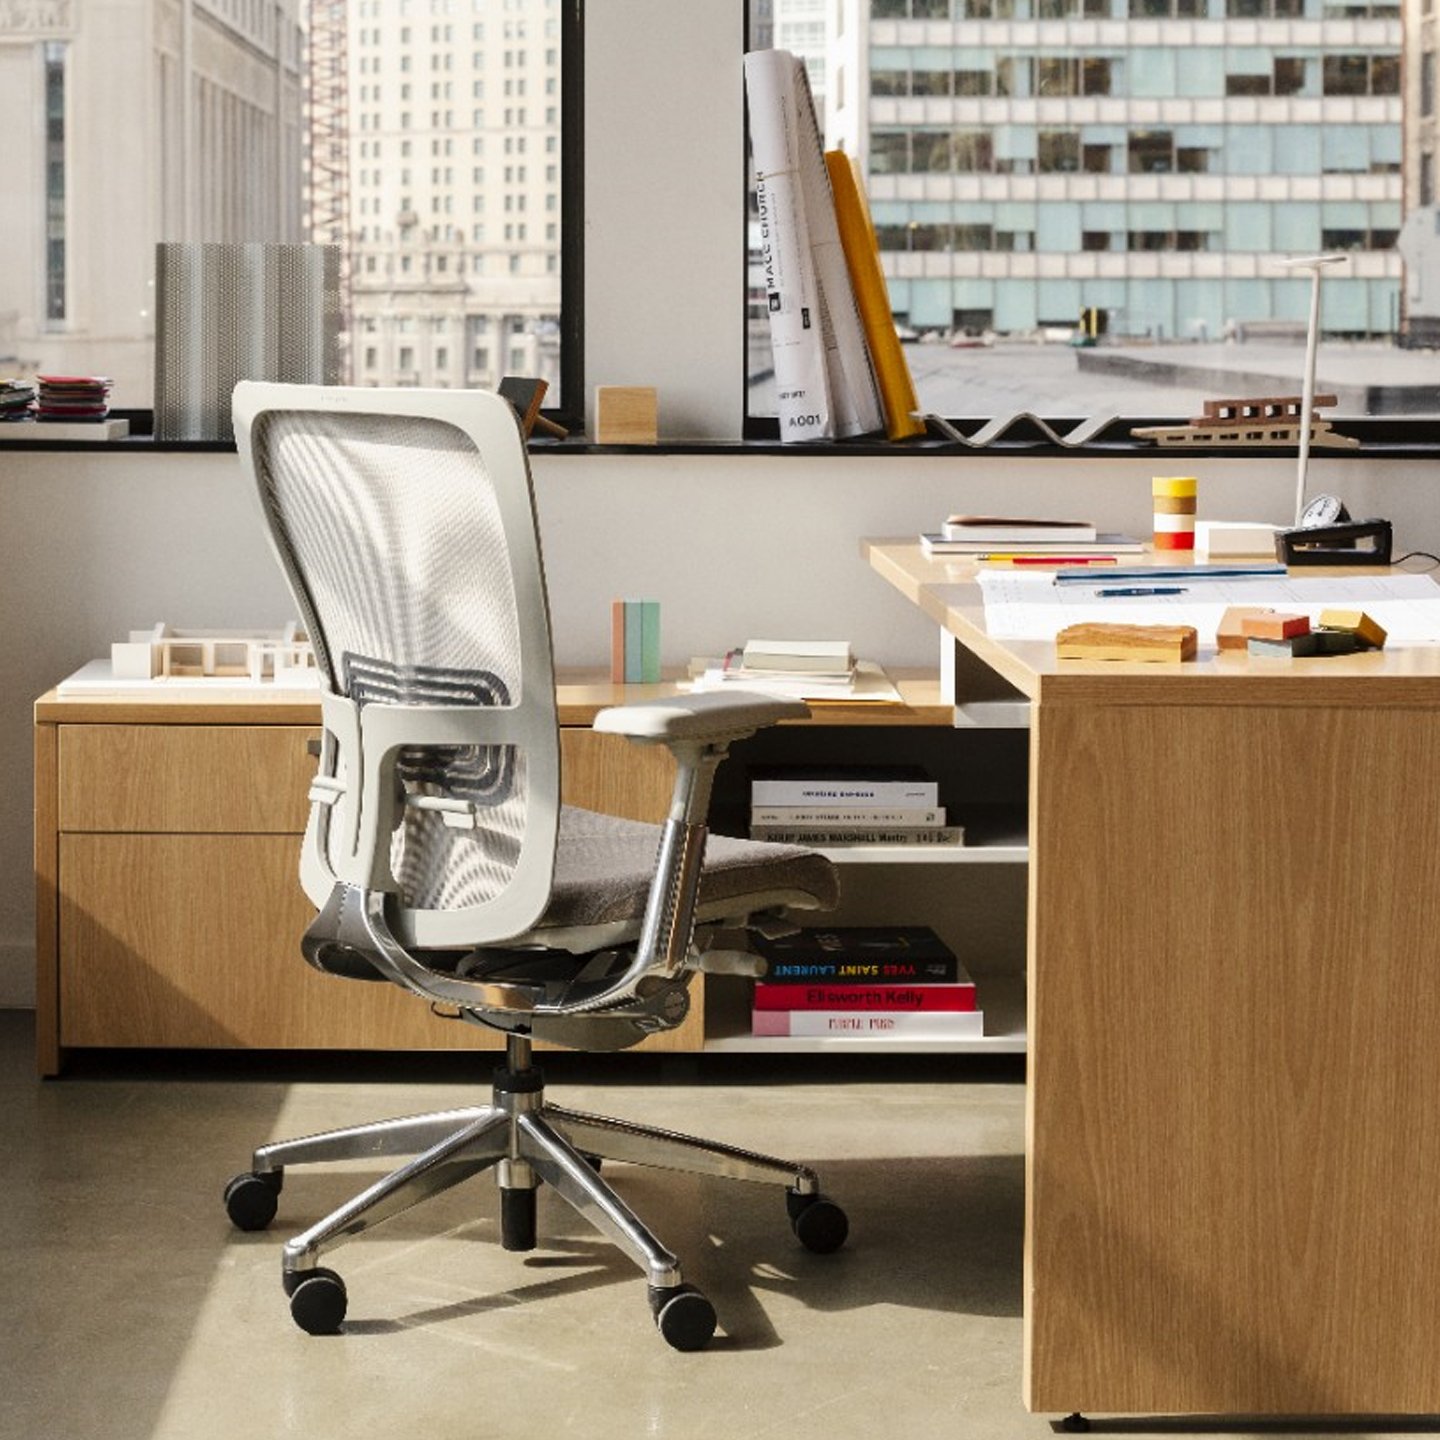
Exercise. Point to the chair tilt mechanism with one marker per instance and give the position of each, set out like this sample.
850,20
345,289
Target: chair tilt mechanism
438,853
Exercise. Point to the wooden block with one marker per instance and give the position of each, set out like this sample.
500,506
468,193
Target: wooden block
1371,635
1338,642
626,415
1229,635
1283,649
1126,642
525,394
1275,626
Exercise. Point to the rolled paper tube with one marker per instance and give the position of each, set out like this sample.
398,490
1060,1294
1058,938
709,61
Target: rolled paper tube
1174,540
1174,504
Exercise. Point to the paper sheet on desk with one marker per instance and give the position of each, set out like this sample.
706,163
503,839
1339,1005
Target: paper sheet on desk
1034,607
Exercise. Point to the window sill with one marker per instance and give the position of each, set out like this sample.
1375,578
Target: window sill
1405,438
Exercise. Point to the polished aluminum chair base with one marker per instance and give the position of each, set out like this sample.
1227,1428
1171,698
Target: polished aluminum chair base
527,1141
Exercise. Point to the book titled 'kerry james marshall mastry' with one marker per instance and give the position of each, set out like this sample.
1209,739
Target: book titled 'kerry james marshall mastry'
860,955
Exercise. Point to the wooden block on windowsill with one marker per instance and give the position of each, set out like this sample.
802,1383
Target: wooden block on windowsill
1126,642
626,415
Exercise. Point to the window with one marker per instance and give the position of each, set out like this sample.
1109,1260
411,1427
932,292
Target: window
279,161
1021,174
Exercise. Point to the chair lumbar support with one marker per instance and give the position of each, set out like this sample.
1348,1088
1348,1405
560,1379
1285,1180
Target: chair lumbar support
527,1142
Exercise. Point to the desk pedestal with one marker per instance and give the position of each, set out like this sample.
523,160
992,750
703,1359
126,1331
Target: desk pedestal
1233,1182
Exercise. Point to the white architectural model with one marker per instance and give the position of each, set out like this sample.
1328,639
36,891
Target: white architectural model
280,657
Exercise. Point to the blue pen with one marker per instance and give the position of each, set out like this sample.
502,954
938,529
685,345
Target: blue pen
1146,590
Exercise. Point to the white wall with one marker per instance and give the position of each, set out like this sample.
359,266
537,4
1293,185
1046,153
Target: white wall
91,546
731,546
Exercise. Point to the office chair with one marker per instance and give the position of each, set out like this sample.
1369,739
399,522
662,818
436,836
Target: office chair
440,857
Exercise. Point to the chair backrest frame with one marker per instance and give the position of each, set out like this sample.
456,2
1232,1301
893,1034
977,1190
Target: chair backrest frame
355,810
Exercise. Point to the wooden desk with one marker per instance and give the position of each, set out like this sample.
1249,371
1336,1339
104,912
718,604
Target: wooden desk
1233,1111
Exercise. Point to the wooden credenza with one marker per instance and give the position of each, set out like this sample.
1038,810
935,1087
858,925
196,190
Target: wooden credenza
168,903
169,908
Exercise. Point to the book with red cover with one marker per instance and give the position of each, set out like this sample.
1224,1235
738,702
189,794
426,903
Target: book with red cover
954,995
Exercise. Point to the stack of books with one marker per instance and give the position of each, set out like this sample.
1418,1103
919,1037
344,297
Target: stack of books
634,642
869,981
804,667
842,805
73,397
17,397
1002,537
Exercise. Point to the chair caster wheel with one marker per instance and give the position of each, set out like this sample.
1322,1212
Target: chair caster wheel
517,1218
251,1200
819,1223
317,1301
683,1316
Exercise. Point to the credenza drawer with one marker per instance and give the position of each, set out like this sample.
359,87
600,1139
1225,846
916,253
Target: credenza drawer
218,779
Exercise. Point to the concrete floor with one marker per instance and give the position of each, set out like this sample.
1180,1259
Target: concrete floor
130,1309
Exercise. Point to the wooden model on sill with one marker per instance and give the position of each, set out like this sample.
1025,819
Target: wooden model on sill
1270,421
278,657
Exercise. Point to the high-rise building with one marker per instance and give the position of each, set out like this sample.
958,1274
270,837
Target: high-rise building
1151,160
454,120
127,124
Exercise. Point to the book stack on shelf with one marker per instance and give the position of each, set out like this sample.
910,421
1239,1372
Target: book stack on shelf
840,805
901,982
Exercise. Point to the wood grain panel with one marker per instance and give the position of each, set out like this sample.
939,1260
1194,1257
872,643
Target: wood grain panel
47,905
194,940
196,778
615,776
1233,1154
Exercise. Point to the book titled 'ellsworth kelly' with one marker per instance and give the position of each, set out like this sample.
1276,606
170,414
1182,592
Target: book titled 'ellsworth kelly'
860,955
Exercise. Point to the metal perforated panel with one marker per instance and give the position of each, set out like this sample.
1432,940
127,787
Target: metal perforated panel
227,313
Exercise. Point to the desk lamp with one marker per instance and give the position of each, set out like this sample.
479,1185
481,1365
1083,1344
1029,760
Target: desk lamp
1315,264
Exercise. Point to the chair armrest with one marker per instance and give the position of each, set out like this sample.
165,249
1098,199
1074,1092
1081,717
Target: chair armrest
707,717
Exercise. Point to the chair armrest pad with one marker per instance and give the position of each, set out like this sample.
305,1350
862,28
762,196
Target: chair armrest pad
698,717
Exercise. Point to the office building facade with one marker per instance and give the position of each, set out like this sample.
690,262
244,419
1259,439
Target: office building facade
1151,161
127,124
454,119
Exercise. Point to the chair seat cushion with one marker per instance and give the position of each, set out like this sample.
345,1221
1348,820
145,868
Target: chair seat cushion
604,866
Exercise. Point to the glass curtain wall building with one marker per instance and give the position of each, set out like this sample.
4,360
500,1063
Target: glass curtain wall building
1144,163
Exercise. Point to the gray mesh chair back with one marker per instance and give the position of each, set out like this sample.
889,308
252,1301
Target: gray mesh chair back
404,521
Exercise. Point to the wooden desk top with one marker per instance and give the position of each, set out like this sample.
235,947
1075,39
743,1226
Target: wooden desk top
580,694
946,590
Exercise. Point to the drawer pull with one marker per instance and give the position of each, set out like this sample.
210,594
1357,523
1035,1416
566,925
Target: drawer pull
312,747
